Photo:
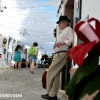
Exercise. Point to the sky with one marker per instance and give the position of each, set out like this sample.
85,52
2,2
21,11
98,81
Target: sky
38,17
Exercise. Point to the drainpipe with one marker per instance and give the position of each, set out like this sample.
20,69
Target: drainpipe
74,23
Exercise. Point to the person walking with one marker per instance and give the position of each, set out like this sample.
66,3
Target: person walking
61,47
17,56
33,52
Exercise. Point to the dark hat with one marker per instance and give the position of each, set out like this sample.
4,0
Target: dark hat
62,18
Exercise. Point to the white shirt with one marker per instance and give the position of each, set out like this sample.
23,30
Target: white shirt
67,37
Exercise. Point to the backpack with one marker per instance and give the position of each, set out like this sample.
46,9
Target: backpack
32,51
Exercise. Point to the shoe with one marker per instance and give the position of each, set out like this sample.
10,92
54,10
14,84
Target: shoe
32,72
44,95
48,97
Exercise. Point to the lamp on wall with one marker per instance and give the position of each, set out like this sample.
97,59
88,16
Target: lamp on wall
24,32
2,8
5,7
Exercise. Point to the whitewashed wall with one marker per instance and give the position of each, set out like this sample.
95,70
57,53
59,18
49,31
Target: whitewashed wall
4,56
91,8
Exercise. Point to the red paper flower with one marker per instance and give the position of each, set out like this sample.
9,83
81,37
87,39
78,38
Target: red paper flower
79,52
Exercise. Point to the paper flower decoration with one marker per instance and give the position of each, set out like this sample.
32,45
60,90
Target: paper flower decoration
86,79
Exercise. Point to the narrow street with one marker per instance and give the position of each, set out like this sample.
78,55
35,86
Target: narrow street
21,81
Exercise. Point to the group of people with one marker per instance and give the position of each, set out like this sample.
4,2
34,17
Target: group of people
32,58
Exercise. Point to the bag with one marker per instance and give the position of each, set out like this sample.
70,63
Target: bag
23,60
44,79
23,65
32,51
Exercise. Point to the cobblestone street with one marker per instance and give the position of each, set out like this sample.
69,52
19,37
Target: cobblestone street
21,81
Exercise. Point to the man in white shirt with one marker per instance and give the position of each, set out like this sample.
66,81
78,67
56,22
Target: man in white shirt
61,47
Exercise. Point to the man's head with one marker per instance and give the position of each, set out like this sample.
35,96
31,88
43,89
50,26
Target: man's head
63,22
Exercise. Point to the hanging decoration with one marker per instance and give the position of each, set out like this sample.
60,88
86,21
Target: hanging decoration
86,79
4,41
24,32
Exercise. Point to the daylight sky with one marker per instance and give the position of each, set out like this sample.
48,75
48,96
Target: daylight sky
38,17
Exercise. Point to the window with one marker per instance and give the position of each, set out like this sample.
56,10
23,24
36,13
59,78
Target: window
78,10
